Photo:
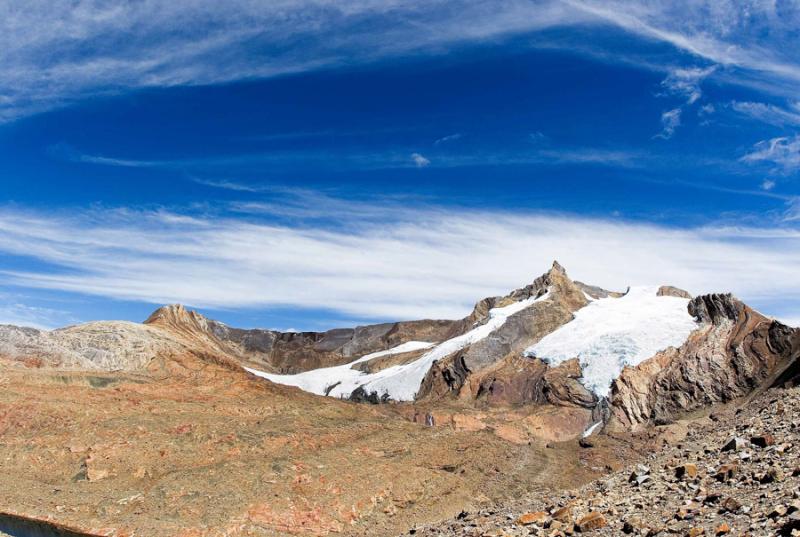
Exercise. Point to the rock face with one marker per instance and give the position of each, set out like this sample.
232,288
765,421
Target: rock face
492,368
294,352
734,354
105,345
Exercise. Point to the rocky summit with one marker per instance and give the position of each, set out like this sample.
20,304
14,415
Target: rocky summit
555,409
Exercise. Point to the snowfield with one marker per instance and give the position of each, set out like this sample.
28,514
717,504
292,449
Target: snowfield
610,333
400,382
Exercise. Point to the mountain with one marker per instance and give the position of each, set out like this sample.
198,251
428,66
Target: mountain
183,425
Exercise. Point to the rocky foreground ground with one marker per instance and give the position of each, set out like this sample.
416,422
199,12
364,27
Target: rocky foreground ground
735,472
198,449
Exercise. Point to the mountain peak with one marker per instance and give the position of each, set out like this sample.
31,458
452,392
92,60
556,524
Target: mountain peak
556,267
175,315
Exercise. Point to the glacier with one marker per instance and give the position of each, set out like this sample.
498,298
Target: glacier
610,333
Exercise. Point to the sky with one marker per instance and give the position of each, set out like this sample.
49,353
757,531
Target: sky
308,164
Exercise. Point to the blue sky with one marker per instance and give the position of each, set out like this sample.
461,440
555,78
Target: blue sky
305,164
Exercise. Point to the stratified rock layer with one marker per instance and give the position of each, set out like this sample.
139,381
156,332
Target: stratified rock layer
734,354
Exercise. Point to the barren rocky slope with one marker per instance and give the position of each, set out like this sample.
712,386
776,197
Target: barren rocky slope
209,450
733,472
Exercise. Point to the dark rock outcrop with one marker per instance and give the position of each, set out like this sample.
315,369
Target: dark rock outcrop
716,308
360,395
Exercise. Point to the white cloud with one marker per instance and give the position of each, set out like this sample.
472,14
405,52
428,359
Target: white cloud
670,121
537,137
61,51
20,314
686,82
767,113
591,155
448,138
419,161
790,321
706,110
784,152
768,184
721,31
226,184
412,263
622,157
792,214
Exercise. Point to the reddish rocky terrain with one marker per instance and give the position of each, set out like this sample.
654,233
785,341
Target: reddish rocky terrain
195,447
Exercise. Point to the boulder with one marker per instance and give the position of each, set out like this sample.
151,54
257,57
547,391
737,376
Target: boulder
591,521
763,440
686,471
538,517
734,444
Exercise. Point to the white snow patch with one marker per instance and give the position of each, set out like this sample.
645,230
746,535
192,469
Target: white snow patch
400,382
590,430
408,346
610,333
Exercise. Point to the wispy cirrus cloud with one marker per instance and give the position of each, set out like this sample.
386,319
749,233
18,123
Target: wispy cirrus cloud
769,113
670,121
783,152
397,266
306,159
753,39
448,138
236,186
592,155
14,311
793,213
60,52
685,82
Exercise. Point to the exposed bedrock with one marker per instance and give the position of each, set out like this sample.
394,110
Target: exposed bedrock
716,308
492,369
513,380
734,354
294,352
668,290
102,345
